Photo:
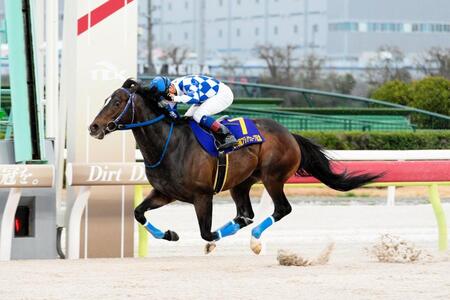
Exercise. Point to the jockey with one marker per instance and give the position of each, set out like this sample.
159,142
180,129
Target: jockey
207,95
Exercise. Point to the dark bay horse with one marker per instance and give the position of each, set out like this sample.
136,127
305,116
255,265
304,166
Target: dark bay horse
178,168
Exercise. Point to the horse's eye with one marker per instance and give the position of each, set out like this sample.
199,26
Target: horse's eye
117,103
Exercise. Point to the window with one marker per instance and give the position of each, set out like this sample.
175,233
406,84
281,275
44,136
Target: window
169,6
220,33
186,5
275,30
186,35
315,28
220,2
238,2
169,36
256,31
238,32
295,28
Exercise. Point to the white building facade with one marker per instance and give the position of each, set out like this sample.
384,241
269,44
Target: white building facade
345,32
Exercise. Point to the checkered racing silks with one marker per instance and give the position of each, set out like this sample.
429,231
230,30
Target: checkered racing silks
195,89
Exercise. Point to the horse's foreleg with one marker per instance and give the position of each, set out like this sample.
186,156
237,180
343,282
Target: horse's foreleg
282,208
203,209
244,216
154,200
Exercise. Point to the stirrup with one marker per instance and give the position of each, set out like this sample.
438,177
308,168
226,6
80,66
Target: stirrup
227,144
223,118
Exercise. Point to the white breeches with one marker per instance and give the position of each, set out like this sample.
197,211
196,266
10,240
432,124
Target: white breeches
213,105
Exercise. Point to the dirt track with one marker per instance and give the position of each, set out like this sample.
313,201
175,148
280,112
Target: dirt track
225,277
180,270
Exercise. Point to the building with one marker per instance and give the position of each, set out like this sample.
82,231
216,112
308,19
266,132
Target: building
346,32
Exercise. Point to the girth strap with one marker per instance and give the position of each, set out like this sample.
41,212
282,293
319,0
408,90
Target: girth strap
221,172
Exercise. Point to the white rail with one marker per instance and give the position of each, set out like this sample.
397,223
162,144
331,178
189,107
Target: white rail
378,154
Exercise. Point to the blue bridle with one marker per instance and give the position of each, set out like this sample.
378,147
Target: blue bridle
114,125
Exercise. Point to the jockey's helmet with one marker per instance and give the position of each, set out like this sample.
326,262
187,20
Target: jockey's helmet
160,83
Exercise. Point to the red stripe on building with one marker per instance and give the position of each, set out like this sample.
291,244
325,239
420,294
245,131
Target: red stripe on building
99,14
83,24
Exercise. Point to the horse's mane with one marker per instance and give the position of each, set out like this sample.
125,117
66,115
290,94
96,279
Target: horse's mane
151,97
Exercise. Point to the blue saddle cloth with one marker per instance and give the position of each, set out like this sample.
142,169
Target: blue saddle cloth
244,130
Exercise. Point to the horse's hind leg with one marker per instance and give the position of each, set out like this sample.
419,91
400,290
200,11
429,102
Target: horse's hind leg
154,200
282,208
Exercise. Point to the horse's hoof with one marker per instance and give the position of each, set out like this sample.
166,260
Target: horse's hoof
171,236
255,245
210,247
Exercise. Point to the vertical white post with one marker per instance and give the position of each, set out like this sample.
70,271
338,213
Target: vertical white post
51,74
7,224
390,195
73,234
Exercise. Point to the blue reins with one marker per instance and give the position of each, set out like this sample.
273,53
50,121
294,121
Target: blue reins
117,126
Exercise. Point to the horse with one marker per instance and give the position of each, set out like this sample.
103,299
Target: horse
178,168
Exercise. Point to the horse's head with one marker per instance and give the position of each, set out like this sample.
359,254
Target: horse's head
123,107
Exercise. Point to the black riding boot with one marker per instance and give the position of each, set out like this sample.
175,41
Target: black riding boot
225,138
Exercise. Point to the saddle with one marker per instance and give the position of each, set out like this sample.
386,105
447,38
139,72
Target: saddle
243,129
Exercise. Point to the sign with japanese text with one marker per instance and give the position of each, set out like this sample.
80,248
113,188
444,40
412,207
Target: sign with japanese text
12,176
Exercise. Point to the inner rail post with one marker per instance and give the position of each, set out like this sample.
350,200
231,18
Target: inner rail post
142,233
440,217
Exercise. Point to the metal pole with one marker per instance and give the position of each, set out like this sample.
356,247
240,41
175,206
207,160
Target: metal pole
51,78
142,232
151,66
201,54
440,217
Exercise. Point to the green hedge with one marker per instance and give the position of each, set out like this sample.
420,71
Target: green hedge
424,139
429,93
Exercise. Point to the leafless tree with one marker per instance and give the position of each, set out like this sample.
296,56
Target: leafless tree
339,83
387,65
279,61
311,71
175,55
435,62
230,64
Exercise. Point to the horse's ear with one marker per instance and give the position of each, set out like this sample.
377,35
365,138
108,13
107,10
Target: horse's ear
131,85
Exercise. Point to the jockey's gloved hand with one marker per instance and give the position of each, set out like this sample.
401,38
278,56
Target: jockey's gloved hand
173,114
165,104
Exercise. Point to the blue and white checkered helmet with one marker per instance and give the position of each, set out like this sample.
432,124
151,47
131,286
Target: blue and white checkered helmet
160,83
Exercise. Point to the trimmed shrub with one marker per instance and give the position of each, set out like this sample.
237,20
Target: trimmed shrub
393,91
430,93
424,139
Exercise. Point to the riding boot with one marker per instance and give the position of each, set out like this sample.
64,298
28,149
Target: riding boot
225,138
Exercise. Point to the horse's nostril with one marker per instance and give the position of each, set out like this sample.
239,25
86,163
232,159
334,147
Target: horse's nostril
93,128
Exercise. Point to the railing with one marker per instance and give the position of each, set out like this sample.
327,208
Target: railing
305,98
315,98
15,178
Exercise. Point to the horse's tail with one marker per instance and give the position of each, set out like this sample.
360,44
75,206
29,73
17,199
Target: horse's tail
314,162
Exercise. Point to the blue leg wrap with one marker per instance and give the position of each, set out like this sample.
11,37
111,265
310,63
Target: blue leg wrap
228,229
207,121
258,230
158,234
